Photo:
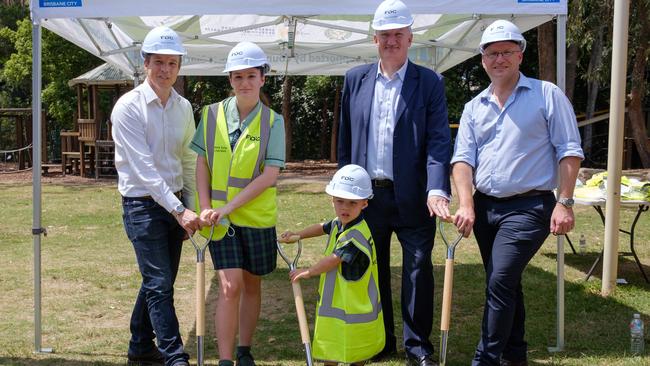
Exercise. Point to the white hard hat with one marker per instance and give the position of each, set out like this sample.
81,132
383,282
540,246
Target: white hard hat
163,41
350,182
392,14
246,55
502,30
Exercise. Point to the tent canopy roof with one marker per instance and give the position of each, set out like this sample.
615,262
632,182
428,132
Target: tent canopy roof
446,32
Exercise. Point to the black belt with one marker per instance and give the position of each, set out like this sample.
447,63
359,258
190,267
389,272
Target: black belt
178,195
533,193
382,183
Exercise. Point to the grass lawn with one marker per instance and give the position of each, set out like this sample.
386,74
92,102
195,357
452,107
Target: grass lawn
90,279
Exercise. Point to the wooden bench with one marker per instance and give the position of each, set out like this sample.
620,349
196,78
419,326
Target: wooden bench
70,155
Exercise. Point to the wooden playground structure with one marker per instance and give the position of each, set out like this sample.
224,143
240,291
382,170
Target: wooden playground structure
20,154
88,149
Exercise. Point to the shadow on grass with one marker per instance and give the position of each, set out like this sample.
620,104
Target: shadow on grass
53,361
595,327
627,266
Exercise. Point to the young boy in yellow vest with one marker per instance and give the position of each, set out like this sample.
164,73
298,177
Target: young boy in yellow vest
240,146
349,321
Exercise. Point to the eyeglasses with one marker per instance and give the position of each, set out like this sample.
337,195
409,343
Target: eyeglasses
494,55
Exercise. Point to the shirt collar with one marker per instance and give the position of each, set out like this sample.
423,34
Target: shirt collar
523,82
150,95
401,73
350,224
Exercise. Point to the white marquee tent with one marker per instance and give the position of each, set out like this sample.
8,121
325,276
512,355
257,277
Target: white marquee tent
302,37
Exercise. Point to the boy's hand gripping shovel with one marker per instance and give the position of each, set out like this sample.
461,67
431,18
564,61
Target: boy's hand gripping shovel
447,291
297,297
200,294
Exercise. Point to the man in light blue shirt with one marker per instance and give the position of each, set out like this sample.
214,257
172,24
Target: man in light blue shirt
517,141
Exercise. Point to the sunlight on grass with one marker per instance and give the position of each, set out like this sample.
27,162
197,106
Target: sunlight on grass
90,279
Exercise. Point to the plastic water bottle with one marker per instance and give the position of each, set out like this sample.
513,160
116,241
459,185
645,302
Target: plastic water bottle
582,244
637,343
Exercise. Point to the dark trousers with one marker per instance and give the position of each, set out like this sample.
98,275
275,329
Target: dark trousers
417,272
157,240
509,233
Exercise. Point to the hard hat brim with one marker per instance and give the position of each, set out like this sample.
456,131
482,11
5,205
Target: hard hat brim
162,52
390,26
344,194
267,68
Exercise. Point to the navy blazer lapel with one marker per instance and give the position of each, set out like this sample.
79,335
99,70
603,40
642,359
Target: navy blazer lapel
366,93
408,87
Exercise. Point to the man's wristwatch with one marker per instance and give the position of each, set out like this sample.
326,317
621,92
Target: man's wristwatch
566,202
178,210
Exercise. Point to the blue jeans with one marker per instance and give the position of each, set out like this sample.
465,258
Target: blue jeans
509,233
157,240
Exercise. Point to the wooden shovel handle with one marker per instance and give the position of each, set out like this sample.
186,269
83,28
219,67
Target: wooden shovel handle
446,295
300,311
200,298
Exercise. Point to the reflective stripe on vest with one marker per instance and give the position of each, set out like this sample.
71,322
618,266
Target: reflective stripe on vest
349,321
326,308
232,170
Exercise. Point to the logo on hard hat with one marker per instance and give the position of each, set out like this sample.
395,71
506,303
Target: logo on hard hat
238,53
351,179
171,38
392,11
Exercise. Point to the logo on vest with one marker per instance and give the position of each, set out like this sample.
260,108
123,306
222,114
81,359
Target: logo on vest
250,137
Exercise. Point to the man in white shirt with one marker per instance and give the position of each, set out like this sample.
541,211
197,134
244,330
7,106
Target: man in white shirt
152,127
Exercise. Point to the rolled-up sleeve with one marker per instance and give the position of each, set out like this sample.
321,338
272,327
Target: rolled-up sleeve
465,145
562,125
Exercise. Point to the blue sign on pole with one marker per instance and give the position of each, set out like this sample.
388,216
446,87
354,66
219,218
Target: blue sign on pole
59,3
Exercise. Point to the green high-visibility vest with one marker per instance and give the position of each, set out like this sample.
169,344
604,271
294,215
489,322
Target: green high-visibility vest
231,171
349,319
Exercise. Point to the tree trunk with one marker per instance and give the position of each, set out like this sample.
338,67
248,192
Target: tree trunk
286,114
335,124
593,84
637,91
571,64
546,51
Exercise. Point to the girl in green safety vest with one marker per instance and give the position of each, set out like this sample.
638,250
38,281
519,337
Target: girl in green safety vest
349,321
241,149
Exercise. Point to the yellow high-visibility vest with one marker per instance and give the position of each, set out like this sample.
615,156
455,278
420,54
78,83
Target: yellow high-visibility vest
349,320
231,171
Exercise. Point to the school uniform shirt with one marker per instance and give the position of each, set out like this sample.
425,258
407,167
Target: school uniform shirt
275,151
354,261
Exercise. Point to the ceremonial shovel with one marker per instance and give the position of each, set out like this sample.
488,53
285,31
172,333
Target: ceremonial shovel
297,297
447,291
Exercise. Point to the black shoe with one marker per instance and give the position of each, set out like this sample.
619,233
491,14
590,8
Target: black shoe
420,361
513,363
153,358
387,352
244,357
181,363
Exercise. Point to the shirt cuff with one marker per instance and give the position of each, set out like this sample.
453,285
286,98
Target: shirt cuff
440,193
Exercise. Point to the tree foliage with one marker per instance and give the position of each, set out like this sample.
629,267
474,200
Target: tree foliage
312,108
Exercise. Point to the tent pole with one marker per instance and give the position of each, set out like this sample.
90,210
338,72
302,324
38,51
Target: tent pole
561,83
37,230
615,144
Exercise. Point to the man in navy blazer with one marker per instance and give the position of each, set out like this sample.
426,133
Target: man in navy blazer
394,123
